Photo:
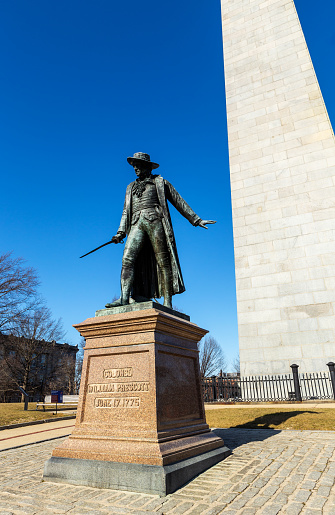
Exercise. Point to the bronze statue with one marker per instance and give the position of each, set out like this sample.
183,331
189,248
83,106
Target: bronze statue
150,264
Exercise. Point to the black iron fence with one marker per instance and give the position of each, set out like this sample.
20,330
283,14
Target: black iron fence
289,387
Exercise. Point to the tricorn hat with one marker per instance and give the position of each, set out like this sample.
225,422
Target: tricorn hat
141,157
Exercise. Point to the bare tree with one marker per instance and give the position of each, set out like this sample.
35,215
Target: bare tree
7,383
236,364
211,357
63,372
18,285
28,348
37,324
79,365
29,354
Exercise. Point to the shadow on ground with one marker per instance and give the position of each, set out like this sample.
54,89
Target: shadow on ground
235,437
258,429
273,419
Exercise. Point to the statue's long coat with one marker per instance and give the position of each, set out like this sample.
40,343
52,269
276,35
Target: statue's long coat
147,282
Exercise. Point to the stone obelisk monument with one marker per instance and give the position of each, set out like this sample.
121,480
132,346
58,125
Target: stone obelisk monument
282,165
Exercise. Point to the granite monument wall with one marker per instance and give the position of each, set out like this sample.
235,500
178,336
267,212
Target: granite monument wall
282,166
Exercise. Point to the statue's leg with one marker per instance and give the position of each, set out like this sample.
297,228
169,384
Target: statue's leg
158,241
132,248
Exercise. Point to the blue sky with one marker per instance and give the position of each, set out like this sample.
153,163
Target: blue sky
84,85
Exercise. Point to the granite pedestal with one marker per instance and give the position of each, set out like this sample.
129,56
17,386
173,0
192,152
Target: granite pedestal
140,423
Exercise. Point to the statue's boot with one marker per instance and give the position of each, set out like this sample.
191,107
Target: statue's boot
168,301
167,285
114,304
127,280
118,302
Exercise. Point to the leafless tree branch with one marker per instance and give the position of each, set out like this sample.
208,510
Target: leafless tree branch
236,364
211,357
18,288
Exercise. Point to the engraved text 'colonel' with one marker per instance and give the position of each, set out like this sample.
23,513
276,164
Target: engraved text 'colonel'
114,373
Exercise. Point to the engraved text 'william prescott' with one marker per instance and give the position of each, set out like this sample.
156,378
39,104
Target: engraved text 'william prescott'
139,386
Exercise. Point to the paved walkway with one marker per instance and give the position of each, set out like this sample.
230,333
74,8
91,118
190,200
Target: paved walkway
269,472
36,433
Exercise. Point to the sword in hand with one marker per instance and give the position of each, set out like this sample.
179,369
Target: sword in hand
115,239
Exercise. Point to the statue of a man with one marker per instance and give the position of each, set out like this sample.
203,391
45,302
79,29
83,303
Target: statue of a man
150,264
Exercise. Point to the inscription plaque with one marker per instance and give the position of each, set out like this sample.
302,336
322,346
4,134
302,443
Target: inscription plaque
121,376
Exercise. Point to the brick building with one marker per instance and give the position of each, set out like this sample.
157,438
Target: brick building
37,366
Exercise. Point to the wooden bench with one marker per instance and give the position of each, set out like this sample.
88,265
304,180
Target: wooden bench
66,405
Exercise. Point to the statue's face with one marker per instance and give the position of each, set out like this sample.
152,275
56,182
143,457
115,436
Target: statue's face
142,170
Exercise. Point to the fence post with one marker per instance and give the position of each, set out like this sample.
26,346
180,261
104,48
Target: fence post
296,382
214,388
331,366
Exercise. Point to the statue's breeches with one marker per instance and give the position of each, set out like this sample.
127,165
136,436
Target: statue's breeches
154,230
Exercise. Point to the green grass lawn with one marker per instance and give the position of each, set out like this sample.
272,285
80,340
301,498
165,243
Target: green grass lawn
274,418
13,413
249,418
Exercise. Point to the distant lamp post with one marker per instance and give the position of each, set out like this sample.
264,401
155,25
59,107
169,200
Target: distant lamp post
296,382
331,367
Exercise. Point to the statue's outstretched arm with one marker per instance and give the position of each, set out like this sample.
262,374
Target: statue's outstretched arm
180,204
184,209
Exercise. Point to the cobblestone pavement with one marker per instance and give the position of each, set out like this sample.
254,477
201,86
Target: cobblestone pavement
269,472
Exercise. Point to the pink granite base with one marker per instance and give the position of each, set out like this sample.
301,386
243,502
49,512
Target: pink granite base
140,397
